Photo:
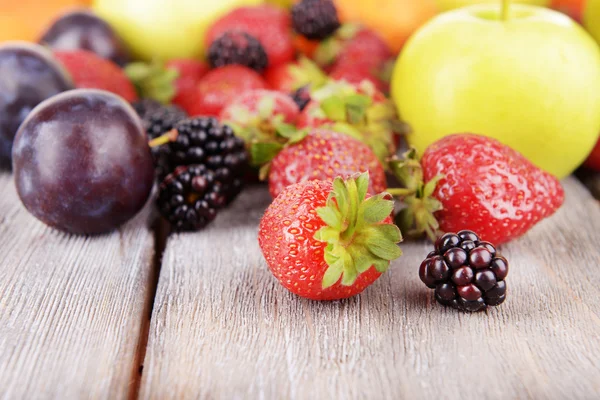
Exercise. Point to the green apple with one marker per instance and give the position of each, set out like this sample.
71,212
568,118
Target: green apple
164,29
446,5
591,18
531,80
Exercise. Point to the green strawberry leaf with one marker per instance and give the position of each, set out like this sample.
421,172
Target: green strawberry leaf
263,152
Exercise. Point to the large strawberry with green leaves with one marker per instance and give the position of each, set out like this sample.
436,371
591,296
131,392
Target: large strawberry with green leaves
328,240
360,111
473,182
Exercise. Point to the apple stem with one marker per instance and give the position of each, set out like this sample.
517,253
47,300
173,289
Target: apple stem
505,10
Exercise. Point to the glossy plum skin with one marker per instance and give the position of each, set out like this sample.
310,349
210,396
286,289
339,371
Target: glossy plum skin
82,29
81,162
28,75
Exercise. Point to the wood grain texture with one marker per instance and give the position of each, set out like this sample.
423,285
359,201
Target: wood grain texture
71,308
222,327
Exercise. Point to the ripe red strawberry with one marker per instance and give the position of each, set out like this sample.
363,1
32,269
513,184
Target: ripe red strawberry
329,241
360,111
89,70
474,183
270,25
291,76
324,155
219,87
353,43
256,114
190,72
593,160
357,72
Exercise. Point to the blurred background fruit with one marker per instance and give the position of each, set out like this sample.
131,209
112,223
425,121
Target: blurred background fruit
29,74
81,29
25,19
534,86
394,20
591,18
573,8
164,29
446,5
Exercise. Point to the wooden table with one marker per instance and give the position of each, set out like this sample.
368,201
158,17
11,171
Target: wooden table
100,318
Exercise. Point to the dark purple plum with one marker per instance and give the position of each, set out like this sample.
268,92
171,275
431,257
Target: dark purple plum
28,75
82,163
82,29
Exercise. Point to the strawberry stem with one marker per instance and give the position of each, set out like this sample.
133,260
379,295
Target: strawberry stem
165,138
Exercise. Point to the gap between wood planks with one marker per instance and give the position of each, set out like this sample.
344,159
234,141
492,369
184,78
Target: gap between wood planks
160,230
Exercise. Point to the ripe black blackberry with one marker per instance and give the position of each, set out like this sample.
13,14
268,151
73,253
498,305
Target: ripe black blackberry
157,120
190,197
238,47
204,141
315,19
301,97
466,273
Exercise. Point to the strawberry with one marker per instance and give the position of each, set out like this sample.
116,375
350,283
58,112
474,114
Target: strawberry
353,43
190,72
89,70
328,240
270,25
355,73
324,155
474,183
166,83
360,111
219,87
593,160
255,115
291,76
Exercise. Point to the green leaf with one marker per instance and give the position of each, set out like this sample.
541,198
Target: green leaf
152,80
381,265
362,184
381,245
330,216
430,186
340,193
327,234
376,209
286,130
263,152
347,129
363,261
350,274
333,274
390,231
334,108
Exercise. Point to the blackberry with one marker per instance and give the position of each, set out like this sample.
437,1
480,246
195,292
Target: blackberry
190,197
465,272
204,141
301,97
158,119
315,19
237,47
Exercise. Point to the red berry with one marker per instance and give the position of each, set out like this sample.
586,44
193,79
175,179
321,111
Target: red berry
190,72
325,155
593,160
270,25
488,187
309,242
91,71
219,87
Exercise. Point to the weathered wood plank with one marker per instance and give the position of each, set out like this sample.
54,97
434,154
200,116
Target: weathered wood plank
71,308
222,327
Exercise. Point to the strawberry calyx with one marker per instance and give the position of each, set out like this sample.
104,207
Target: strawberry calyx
418,216
153,80
355,232
329,49
353,110
305,72
263,151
